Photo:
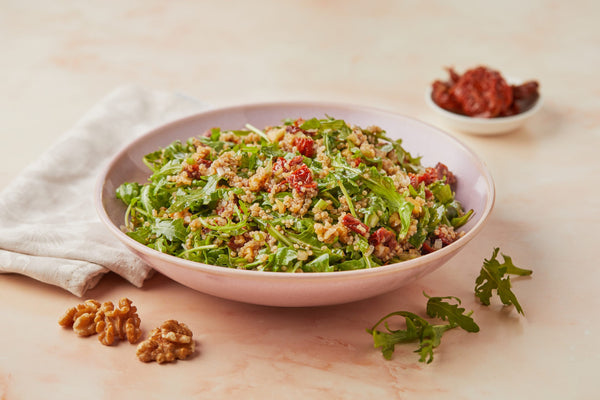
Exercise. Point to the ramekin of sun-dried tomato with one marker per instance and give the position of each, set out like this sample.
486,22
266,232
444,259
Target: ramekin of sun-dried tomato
481,100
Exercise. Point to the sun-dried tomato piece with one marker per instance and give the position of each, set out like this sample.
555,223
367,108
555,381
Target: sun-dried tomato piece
444,237
443,171
524,97
295,161
293,129
234,244
440,94
384,237
431,175
355,225
357,161
192,171
483,92
428,194
426,249
280,164
306,146
428,176
301,179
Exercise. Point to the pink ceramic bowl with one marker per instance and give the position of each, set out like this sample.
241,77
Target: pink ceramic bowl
475,190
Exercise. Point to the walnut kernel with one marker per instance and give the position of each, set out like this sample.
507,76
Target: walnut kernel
91,317
81,318
122,322
170,341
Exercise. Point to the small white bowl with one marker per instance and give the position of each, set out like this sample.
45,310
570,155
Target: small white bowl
482,126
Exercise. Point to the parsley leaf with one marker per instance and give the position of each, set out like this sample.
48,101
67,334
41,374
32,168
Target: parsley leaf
493,277
171,229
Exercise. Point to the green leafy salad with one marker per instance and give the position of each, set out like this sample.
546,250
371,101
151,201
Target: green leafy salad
315,195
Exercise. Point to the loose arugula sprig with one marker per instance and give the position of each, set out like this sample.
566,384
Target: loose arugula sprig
493,277
419,330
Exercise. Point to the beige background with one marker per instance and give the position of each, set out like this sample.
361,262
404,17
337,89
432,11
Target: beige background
59,58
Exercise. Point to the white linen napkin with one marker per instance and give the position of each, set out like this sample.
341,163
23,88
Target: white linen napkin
49,229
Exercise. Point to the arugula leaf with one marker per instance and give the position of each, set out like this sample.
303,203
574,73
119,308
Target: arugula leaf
284,257
388,340
408,162
319,264
176,151
396,202
417,329
457,222
493,277
202,196
455,315
322,124
141,234
312,123
431,338
442,192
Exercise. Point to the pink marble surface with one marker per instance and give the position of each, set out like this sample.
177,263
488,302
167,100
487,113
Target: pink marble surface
60,57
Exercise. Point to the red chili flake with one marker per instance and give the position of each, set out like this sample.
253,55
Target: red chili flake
355,225
301,179
298,122
205,162
384,237
306,146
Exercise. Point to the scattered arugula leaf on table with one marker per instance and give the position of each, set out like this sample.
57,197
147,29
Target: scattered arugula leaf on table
493,276
419,330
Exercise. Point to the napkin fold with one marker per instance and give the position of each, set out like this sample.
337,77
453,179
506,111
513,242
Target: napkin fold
49,229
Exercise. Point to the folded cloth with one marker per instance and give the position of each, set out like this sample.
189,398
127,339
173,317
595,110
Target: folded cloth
49,229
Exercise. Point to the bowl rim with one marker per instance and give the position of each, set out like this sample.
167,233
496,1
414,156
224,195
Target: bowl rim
216,270
480,120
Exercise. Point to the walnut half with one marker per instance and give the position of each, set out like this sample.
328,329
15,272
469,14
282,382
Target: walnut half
170,341
81,318
111,323
122,322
